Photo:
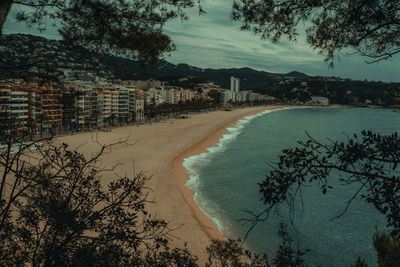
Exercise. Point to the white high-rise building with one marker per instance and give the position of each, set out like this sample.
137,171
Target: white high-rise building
235,84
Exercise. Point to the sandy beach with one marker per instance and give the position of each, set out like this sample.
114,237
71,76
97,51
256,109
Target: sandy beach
159,150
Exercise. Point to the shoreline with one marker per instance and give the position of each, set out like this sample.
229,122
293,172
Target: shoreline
159,150
181,176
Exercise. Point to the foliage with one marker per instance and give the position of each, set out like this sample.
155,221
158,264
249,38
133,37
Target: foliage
359,263
63,215
55,210
388,249
170,110
125,27
369,161
231,253
286,254
370,27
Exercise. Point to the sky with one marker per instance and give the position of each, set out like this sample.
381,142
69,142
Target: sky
215,41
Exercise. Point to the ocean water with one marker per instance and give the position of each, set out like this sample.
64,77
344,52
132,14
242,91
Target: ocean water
224,181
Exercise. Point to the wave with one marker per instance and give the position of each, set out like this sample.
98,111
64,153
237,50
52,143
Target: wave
194,164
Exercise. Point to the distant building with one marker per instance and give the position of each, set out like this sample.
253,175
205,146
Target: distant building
304,84
235,84
147,84
220,96
27,106
123,104
243,96
96,100
320,100
136,105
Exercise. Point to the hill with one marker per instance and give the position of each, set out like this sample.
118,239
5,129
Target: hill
28,51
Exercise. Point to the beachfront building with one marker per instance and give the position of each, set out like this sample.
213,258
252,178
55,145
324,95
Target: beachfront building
30,107
186,95
220,96
123,104
253,96
14,107
244,96
83,108
107,106
233,96
138,109
69,110
136,105
176,96
19,107
51,108
166,95
97,108
173,95
235,84
34,109
153,96
114,106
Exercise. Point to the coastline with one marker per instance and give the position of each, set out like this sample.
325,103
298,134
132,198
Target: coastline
159,150
181,176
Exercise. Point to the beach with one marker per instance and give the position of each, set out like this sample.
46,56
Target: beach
159,149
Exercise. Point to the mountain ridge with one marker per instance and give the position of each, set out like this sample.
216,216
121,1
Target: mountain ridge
19,47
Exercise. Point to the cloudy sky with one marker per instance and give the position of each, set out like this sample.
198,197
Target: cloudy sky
215,41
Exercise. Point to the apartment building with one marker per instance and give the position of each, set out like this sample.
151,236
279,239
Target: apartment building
83,108
253,96
176,96
96,113
147,84
51,108
14,107
114,105
69,110
220,96
107,105
167,95
136,105
153,96
235,84
31,108
34,109
243,96
186,95
123,104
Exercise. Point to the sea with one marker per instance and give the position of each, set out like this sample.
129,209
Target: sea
225,184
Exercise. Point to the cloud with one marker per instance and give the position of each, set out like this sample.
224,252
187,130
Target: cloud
215,41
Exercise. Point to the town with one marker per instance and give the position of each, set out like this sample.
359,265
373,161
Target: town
69,90
36,107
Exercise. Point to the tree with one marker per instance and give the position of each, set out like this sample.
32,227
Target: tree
369,161
55,212
371,28
126,27
231,253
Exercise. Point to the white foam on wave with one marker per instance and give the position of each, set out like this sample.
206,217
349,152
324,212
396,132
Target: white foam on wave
194,163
